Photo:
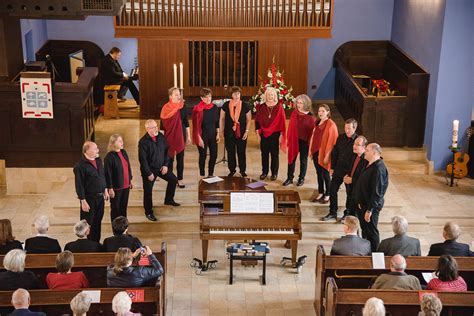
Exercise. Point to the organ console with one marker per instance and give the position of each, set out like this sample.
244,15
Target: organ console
218,223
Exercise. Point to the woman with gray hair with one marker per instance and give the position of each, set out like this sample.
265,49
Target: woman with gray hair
430,305
83,244
16,277
42,243
373,307
80,304
300,129
121,305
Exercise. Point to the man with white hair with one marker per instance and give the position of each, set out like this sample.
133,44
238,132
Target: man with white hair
41,243
154,159
21,302
451,232
91,188
83,244
400,243
397,279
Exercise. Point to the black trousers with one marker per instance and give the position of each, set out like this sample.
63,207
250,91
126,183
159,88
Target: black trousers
370,230
351,207
119,204
334,186
179,164
304,148
148,189
324,180
129,85
233,146
212,145
95,215
270,146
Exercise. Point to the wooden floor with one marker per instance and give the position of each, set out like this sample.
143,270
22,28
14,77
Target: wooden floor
425,200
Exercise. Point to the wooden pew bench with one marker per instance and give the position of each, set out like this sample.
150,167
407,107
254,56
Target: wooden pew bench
357,273
343,302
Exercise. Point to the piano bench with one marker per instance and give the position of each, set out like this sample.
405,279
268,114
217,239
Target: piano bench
248,254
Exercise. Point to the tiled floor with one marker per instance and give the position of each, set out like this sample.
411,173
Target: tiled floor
426,201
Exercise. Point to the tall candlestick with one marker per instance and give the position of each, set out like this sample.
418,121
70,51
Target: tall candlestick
175,77
455,133
181,76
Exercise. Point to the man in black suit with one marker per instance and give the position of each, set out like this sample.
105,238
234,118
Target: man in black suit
401,243
351,244
111,73
450,246
83,244
41,243
154,159
21,302
121,238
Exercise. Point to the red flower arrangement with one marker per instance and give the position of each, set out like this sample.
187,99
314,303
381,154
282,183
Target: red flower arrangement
381,88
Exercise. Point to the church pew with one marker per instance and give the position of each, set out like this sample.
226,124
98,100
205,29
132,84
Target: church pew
56,302
343,302
356,272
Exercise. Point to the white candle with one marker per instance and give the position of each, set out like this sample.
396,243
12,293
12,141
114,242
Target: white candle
181,76
455,133
175,75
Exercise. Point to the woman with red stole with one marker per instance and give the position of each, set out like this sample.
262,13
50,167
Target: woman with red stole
175,126
300,130
271,132
324,138
206,131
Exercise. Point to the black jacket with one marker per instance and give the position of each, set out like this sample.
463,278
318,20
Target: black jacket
135,276
112,244
152,155
450,247
114,170
89,180
357,172
26,312
42,244
11,281
370,188
10,245
110,71
341,155
83,245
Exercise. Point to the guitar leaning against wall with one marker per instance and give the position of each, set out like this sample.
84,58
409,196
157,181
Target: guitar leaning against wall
459,166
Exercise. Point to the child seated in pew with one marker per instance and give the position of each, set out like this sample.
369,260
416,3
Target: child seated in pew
65,279
448,278
121,305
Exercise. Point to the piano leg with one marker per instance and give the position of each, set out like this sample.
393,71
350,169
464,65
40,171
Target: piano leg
205,247
294,251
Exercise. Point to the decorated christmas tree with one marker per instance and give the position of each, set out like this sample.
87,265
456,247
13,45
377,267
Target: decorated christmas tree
274,79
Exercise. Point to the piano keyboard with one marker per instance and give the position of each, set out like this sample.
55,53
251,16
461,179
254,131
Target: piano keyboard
272,231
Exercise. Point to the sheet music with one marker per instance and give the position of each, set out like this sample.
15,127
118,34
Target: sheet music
378,260
212,179
94,295
428,276
252,202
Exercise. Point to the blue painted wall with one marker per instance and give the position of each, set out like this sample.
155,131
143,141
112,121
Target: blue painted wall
39,33
353,20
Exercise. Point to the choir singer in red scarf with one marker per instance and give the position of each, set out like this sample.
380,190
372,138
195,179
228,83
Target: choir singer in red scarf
300,130
271,131
206,131
175,127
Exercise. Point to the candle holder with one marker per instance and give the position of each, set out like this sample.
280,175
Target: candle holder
454,150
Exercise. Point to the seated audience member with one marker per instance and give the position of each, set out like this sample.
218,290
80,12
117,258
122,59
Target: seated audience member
7,241
400,243
16,277
430,305
448,278
122,274
65,279
397,279
80,304
83,244
42,243
373,307
351,244
121,238
121,305
21,302
450,246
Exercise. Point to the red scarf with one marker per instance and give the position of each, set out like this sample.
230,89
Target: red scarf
293,139
277,125
234,110
171,119
197,119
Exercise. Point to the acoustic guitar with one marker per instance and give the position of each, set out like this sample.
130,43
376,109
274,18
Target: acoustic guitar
459,165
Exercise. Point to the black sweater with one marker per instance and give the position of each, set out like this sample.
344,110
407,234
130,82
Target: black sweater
152,155
342,154
110,71
89,180
210,123
371,186
229,123
114,170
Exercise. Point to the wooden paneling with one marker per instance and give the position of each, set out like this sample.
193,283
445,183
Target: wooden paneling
11,55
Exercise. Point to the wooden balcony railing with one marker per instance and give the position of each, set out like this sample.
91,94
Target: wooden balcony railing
296,18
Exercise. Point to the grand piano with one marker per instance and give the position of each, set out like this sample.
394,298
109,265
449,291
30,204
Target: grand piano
218,223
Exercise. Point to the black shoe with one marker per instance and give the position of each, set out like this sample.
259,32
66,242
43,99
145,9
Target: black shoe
343,218
231,174
328,217
151,217
243,174
300,182
263,176
172,203
274,177
181,186
287,182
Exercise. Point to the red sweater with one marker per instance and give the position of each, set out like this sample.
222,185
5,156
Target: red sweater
73,280
458,285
